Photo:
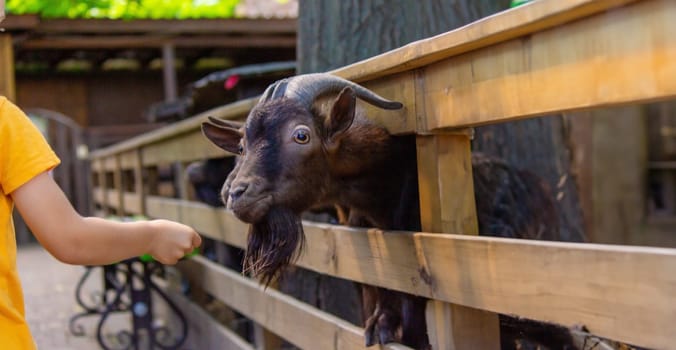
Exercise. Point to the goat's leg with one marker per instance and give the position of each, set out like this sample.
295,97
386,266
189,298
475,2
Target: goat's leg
381,308
369,296
382,314
414,326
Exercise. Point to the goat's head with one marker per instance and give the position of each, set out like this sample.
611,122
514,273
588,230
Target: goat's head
285,154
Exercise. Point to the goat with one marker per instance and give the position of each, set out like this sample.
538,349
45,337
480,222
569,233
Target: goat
294,156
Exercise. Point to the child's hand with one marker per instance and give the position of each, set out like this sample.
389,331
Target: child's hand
172,241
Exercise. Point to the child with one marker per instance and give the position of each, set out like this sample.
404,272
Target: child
25,159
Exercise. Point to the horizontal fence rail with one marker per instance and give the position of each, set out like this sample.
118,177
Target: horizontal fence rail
545,57
605,287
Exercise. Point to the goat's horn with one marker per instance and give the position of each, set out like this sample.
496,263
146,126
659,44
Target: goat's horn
307,88
274,91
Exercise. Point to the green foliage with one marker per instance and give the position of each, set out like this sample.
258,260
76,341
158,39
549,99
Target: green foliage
124,9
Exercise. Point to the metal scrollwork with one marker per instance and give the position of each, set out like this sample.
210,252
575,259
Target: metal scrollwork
129,288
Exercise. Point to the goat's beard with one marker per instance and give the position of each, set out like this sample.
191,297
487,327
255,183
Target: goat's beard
273,243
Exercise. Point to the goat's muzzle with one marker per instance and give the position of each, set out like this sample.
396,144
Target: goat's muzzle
248,204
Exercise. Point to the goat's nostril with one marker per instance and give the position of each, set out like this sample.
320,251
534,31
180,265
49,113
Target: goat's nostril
238,191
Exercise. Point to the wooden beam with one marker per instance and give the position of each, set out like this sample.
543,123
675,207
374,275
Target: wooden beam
7,83
20,22
518,277
156,41
558,70
523,20
233,111
175,150
98,195
248,42
399,87
613,296
205,332
166,26
110,163
132,203
169,72
104,201
299,323
212,222
447,205
118,190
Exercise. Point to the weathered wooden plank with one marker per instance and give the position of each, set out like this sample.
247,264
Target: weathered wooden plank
166,26
110,163
614,297
605,287
96,165
102,180
624,56
128,159
132,202
215,223
205,332
236,110
83,42
297,322
98,195
7,83
140,186
175,149
118,190
447,205
20,22
113,199
535,17
399,87
446,185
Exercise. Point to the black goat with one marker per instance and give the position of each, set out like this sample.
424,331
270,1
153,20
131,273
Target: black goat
294,156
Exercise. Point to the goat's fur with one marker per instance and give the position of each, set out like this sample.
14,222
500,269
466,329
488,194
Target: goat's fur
351,162
273,243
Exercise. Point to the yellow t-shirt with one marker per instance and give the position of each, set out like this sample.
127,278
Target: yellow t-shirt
24,153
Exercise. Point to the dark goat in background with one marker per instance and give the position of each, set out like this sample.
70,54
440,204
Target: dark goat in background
294,156
207,178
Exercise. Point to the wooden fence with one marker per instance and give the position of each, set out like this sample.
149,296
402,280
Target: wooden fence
546,57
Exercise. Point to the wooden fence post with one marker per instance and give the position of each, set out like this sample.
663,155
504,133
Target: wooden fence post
447,205
7,83
140,188
118,186
103,185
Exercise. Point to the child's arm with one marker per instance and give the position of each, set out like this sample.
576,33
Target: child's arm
74,239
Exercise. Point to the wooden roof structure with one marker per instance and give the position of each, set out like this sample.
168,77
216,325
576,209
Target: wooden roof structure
53,40
48,42
58,34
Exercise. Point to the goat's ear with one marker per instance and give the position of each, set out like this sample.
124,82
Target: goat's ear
342,114
226,138
225,122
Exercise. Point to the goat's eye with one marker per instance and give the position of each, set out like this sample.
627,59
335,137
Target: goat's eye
240,149
301,135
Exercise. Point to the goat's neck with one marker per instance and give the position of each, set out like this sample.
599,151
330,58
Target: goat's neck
370,173
365,148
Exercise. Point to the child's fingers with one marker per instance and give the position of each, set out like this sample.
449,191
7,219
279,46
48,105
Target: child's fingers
196,241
